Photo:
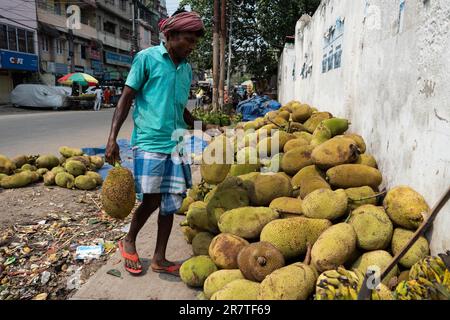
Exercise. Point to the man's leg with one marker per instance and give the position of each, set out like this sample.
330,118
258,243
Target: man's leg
149,204
164,228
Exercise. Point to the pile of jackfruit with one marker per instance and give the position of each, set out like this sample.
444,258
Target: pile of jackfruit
297,214
72,170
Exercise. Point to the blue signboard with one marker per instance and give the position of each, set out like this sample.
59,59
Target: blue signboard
13,60
96,65
117,59
61,68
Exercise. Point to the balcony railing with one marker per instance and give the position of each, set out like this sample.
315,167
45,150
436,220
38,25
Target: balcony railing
113,41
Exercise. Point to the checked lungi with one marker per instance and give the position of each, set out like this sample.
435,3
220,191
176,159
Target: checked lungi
167,174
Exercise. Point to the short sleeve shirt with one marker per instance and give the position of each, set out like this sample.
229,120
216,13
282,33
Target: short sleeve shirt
162,92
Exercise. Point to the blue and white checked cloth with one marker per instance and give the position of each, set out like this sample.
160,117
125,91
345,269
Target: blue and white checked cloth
162,173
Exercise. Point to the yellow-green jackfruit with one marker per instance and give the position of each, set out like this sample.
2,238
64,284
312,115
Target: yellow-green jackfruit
417,252
224,249
296,159
194,271
353,176
118,193
325,204
217,280
240,289
334,152
47,161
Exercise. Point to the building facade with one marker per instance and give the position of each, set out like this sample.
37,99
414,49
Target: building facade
18,45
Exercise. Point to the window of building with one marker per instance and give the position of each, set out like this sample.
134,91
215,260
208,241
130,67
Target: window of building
12,38
337,57
30,42
123,5
44,44
83,51
3,36
58,7
110,2
125,33
22,40
99,23
330,60
109,27
324,63
59,46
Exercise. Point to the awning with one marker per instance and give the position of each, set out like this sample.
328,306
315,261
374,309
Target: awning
48,30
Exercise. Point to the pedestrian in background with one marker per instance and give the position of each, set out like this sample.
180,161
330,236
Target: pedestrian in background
98,98
107,96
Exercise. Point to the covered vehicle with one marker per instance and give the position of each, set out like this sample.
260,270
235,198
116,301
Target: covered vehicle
256,107
40,96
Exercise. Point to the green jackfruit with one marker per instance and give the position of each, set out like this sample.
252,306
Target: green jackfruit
6,165
367,160
325,204
217,159
85,182
292,235
293,282
301,113
296,127
42,171
295,143
118,193
240,169
333,247
247,155
75,168
405,206
201,242
2,175
273,165
47,161
217,280
57,170
304,135
267,187
97,161
19,161
296,159
287,205
377,258
17,180
337,126
258,260
65,180
28,167
360,196
189,233
96,176
334,152
198,217
185,205
194,271
285,115
353,176
224,249
316,118
372,226
246,222
417,252
35,177
83,159
240,289
70,152
49,178
359,141
303,174
250,125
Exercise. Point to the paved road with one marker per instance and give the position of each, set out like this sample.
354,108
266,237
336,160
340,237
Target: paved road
30,132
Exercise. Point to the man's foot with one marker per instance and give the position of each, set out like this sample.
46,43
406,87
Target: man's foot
166,266
132,263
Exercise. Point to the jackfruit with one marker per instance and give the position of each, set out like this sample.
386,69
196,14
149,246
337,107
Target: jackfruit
337,126
334,152
372,226
353,176
189,233
41,172
367,160
65,180
57,170
240,169
85,182
2,175
405,207
304,135
201,242
217,159
246,222
18,161
247,155
320,135
97,161
419,250
240,289
266,131
281,138
47,161
28,167
279,122
96,176
194,271
185,205
271,115
49,178
379,259
296,159
17,180
360,196
6,165
217,280
224,249
292,235
287,205
293,282
333,247
70,152
285,115
316,118
34,176
118,193
301,113
198,217
359,141
267,187
250,125
62,160
295,143
296,127
84,160
325,204
305,173
311,184
273,165
259,259
75,167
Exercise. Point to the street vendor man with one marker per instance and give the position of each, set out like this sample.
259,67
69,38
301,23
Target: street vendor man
159,81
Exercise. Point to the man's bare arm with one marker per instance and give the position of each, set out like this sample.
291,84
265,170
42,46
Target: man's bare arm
120,115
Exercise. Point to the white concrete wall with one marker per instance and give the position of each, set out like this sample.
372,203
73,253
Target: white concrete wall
394,86
286,74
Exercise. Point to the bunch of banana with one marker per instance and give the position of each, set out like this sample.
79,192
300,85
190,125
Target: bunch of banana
432,273
411,290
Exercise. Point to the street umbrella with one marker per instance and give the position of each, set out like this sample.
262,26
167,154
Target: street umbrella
83,79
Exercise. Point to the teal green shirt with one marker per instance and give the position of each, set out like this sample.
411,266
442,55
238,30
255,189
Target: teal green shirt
162,92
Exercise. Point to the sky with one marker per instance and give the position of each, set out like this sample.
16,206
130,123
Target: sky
172,6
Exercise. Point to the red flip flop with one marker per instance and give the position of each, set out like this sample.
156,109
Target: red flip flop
131,257
172,270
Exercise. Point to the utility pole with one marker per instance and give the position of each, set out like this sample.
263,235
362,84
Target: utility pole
223,40
71,51
134,47
230,40
216,66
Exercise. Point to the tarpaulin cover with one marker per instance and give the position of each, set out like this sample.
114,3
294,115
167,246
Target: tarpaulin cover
257,107
37,95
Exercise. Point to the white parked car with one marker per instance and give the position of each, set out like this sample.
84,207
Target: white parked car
40,96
